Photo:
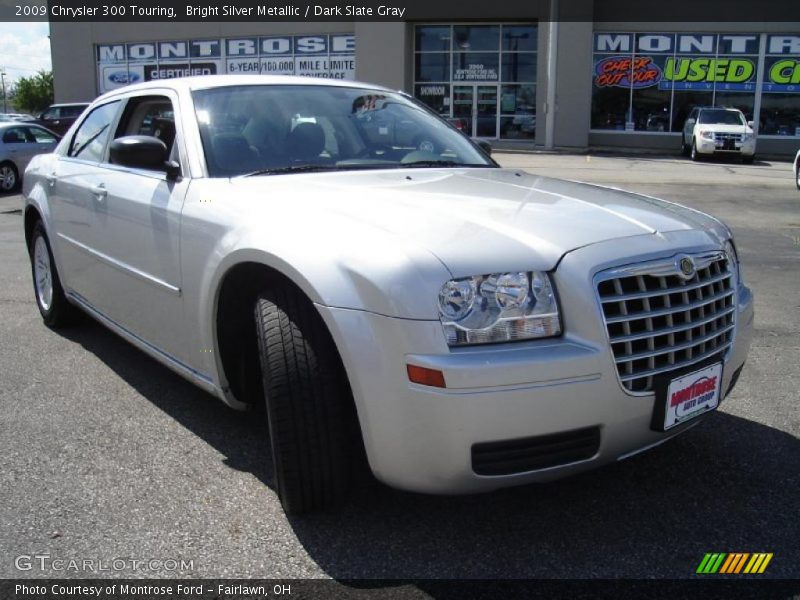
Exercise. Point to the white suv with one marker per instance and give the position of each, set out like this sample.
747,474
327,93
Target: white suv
710,130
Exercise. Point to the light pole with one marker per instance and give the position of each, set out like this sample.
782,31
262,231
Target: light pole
3,79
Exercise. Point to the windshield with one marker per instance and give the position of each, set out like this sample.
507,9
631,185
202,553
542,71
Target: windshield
270,129
721,117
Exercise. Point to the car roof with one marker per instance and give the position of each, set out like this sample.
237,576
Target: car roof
6,124
213,81
57,104
718,108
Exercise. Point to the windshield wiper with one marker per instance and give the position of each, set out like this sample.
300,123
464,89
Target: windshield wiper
438,163
291,169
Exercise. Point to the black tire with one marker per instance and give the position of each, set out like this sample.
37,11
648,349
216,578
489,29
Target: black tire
797,174
58,312
309,404
695,155
748,160
9,177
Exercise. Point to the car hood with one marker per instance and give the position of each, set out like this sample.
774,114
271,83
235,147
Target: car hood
723,128
475,220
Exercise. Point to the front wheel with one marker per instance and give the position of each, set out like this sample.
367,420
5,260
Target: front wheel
308,401
53,305
695,154
9,177
797,175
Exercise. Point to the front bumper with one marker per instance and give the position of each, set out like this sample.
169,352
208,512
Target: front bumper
421,438
744,148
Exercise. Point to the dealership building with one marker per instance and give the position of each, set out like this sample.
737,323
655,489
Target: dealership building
512,76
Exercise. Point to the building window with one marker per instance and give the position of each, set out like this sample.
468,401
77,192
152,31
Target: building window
780,101
480,76
649,82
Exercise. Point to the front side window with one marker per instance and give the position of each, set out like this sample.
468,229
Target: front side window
90,139
149,115
284,128
15,135
41,136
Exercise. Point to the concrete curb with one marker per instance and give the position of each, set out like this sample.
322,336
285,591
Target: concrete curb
622,153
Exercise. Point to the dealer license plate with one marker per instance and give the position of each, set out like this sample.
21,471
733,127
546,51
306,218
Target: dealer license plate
689,396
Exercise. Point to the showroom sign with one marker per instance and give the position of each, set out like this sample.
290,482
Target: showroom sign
696,61
319,55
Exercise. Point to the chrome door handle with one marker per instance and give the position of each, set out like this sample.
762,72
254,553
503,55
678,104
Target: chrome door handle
99,192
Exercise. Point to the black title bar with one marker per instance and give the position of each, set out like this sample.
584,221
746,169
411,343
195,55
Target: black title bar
598,11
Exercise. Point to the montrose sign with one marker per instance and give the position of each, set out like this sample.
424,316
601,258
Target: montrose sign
320,55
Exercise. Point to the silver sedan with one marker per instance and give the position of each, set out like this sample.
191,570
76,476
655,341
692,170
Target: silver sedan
19,143
463,326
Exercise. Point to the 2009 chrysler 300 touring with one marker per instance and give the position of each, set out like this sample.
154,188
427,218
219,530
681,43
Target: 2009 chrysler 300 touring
469,327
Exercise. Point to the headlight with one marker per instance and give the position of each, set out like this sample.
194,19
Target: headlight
749,136
733,257
707,135
500,307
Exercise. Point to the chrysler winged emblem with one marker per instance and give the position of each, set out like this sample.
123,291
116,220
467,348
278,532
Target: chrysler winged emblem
686,267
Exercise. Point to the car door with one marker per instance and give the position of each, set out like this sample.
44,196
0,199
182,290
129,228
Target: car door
72,192
137,225
51,118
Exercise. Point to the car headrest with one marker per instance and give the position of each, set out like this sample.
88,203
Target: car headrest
231,152
306,141
164,129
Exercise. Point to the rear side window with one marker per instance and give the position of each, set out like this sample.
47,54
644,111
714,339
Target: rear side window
89,141
53,112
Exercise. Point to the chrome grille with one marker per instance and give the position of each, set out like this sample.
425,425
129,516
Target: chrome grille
721,137
658,320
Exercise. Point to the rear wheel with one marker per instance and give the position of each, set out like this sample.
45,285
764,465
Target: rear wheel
308,400
53,305
797,175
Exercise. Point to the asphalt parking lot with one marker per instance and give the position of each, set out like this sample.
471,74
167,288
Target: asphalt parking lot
104,453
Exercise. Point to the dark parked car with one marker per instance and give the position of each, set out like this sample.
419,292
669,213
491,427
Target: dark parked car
60,117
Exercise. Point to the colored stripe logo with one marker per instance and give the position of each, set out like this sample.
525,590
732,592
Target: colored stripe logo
734,563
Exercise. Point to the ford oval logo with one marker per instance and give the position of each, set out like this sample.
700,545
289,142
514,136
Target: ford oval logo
123,77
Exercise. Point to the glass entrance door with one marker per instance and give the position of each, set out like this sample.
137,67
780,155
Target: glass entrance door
475,106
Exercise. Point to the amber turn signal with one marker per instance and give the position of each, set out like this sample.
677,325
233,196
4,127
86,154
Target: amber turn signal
424,376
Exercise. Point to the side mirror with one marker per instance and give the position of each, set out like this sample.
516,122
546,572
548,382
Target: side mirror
143,152
690,121
485,146
750,124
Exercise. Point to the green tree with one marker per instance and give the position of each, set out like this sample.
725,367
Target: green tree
35,93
